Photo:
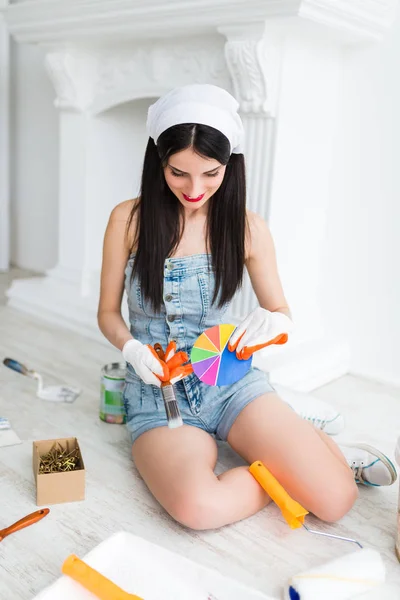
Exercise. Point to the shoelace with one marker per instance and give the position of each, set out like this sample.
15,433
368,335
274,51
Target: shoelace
357,470
316,421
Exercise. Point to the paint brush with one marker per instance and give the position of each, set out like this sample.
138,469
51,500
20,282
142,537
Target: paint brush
171,405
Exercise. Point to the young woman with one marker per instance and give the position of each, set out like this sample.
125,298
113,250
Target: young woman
180,251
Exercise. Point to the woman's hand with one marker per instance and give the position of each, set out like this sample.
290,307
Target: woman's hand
259,329
175,362
146,363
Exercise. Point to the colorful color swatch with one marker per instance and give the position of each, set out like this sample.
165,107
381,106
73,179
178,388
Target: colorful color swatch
211,359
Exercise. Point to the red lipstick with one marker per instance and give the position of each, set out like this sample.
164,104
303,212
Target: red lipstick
189,199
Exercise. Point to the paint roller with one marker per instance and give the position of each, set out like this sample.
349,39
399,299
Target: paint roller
340,579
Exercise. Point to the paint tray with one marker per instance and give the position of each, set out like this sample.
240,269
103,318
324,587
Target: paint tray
151,572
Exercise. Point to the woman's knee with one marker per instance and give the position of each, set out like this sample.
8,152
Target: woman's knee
193,509
337,500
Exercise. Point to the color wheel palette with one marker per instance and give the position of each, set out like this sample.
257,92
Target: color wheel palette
211,359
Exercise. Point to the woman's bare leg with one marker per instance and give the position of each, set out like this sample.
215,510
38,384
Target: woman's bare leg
178,467
307,463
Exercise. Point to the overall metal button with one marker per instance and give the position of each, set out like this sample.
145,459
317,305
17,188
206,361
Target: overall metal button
171,318
168,298
170,266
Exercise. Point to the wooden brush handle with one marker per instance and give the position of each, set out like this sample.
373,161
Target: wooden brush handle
93,581
160,352
25,522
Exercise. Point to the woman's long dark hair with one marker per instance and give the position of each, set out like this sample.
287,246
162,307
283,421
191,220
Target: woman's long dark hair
159,213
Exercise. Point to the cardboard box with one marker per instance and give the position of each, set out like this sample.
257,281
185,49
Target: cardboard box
54,488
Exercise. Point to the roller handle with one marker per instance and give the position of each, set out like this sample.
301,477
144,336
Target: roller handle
93,581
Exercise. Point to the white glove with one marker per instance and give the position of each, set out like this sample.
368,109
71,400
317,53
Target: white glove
258,330
145,362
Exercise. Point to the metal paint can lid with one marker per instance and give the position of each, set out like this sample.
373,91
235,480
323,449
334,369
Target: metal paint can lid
114,371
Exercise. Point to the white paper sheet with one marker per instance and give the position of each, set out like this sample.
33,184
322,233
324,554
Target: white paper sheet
151,572
8,437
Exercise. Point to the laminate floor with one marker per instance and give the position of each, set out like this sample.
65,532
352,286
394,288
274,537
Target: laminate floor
261,551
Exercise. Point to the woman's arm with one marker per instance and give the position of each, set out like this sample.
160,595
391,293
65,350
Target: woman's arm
262,266
270,323
115,256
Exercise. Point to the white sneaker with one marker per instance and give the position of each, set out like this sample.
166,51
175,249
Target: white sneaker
321,414
369,465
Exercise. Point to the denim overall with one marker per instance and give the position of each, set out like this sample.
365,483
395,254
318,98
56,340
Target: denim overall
186,312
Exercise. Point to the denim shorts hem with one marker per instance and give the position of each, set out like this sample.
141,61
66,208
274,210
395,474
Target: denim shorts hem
234,410
147,427
219,407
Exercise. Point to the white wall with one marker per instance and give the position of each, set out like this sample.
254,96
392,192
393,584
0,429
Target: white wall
300,193
34,161
361,284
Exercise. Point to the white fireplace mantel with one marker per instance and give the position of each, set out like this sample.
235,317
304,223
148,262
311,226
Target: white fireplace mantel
271,54
57,21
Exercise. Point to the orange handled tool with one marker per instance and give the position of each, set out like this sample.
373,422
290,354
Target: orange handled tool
292,511
93,581
248,351
174,362
177,370
165,369
25,522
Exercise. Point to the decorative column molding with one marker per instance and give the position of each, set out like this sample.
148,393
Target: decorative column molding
253,55
4,140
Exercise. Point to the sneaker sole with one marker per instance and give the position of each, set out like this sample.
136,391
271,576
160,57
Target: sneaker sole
386,461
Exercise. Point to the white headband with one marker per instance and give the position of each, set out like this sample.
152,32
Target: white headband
199,103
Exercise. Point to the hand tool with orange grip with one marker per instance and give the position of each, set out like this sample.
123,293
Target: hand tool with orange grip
177,371
260,329
292,511
25,522
93,581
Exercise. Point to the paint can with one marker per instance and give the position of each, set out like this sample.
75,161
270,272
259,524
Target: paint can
397,456
112,385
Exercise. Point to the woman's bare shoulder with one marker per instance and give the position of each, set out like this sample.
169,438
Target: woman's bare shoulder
256,222
122,211
120,218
